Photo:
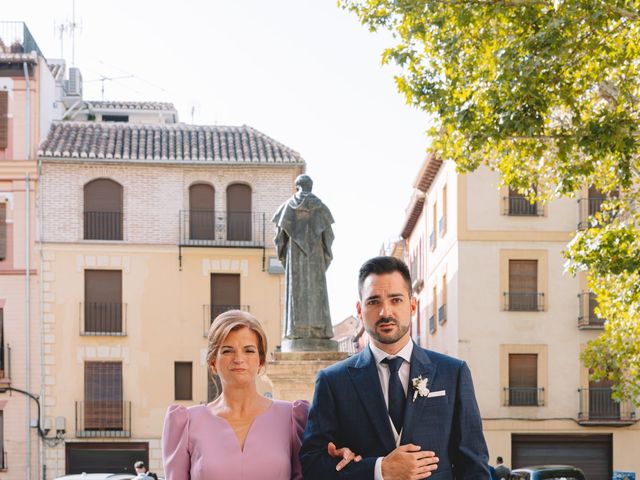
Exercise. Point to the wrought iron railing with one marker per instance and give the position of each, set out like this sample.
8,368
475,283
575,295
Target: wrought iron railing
587,317
103,225
597,404
210,312
103,418
521,207
524,396
587,208
103,319
442,313
524,301
432,324
209,228
17,38
3,459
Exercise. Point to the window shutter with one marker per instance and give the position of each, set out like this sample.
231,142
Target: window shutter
523,370
183,387
3,231
523,276
4,119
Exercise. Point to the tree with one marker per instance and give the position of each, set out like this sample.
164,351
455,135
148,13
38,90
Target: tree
546,93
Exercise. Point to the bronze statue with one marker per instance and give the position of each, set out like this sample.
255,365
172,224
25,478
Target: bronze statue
303,242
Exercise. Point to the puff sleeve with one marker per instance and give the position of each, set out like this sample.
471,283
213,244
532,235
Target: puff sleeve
175,444
299,413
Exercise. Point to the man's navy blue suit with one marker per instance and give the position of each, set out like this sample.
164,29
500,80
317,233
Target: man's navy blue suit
349,409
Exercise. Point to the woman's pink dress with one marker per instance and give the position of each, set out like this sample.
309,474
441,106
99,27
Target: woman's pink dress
198,445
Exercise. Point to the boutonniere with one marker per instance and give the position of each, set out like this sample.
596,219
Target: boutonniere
420,387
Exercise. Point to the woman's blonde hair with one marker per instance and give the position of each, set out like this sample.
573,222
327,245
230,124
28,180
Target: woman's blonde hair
229,321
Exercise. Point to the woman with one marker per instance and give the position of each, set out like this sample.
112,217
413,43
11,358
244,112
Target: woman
240,435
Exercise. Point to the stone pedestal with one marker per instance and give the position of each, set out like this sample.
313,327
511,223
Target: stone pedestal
292,375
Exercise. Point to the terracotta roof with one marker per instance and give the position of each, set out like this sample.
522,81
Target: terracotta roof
31,57
422,184
155,106
164,143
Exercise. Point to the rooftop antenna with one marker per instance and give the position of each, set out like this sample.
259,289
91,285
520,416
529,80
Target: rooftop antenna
68,27
104,78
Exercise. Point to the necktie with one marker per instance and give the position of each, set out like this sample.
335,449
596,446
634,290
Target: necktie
397,397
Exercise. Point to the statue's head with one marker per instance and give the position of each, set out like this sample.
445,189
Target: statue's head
304,183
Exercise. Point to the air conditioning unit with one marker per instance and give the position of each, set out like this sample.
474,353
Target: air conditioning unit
74,84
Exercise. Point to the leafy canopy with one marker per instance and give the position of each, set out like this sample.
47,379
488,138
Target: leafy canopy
546,93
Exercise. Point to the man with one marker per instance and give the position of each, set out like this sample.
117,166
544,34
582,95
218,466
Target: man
502,471
409,412
141,470
303,242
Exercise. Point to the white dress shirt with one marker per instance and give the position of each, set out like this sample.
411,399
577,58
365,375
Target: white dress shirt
383,374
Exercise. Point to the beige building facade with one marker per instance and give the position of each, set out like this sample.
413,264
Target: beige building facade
150,231
490,280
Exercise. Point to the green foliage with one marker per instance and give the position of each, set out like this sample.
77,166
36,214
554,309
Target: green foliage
547,93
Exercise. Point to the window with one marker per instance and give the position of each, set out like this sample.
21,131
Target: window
523,379
202,215
523,295
3,231
183,381
442,310
4,119
3,372
434,310
103,307
434,227
239,212
115,118
3,458
103,405
103,210
225,293
442,223
519,205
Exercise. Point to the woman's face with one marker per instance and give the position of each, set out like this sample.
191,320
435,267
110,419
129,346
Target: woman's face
238,358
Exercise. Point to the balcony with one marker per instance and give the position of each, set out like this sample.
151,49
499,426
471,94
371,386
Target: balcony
588,207
103,419
103,225
210,312
523,301
518,206
209,228
523,397
17,38
432,324
442,314
588,320
598,408
100,319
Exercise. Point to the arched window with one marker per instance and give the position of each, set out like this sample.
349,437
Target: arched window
239,212
103,210
202,219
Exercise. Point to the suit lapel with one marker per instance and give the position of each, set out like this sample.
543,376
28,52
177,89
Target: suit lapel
367,385
422,366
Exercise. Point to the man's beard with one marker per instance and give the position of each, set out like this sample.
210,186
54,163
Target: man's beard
402,331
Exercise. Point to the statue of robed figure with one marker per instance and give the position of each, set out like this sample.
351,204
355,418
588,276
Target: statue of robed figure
303,243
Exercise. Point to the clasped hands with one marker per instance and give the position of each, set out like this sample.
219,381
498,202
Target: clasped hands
406,462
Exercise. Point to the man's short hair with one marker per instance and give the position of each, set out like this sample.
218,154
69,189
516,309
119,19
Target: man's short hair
139,464
499,460
381,265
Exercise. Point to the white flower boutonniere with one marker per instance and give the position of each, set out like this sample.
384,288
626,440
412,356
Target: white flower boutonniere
420,387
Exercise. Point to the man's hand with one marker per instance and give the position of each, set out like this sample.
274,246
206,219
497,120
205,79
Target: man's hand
409,462
345,453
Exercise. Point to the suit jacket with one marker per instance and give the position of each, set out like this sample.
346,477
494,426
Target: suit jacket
349,409
502,471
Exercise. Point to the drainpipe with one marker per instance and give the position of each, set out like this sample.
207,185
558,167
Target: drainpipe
27,241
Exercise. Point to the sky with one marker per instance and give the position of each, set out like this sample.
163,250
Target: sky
304,72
